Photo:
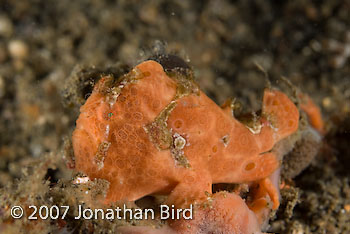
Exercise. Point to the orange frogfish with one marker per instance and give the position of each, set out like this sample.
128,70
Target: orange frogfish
153,131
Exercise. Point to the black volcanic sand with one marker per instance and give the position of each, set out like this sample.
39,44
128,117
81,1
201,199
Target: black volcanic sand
51,52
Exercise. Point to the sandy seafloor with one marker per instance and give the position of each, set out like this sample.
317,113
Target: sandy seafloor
48,48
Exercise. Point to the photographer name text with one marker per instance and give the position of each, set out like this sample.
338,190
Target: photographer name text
61,212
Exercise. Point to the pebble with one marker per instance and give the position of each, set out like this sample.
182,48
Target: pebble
18,49
149,14
6,27
327,102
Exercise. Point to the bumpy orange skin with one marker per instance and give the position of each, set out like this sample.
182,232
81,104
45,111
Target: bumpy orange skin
228,214
219,149
313,113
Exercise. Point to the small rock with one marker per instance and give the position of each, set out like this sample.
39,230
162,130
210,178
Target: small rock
149,14
18,49
6,27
